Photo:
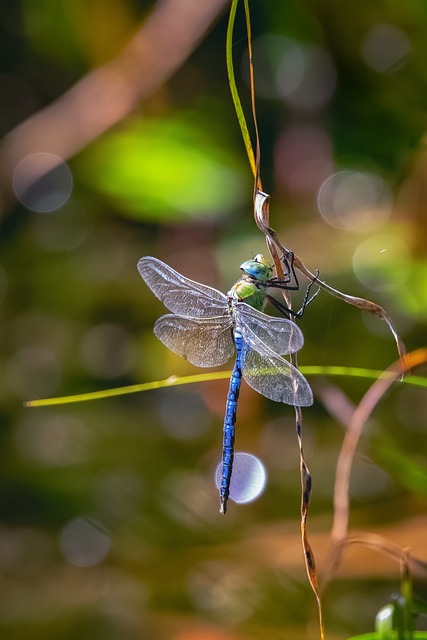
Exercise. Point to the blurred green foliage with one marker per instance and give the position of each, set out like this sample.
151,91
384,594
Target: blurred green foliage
166,169
172,180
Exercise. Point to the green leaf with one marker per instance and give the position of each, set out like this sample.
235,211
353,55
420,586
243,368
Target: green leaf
233,88
163,170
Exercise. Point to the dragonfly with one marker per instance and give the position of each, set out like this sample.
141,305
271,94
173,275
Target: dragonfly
207,327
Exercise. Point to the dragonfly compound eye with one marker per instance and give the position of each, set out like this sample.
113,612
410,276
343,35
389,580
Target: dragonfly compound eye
257,268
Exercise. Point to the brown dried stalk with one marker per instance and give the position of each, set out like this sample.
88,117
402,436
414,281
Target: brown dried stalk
349,446
261,217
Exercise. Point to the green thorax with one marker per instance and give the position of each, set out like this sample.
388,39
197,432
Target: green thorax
252,286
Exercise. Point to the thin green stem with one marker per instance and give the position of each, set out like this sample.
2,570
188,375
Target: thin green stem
233,88
173,381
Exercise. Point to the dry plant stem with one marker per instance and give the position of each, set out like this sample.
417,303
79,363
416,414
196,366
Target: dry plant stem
361,303
261,208
362,412
305,501
349,446
107,95
366,305
414,565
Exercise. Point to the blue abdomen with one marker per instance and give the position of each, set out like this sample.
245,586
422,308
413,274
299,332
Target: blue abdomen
229,422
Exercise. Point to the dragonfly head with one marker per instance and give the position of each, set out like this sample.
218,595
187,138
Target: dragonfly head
257,268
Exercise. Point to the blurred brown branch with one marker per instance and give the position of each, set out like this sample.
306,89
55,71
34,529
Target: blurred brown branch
107,95
339,531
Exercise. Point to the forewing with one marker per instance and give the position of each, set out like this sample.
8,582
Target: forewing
205,342
179,294
282,336
271,375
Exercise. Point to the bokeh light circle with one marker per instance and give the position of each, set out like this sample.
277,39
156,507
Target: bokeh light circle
53,440
107,351
303,159
33,372
248,480
269,52
306,77
382,262
42,182
186,403
354,200
386,47
303,75
84,542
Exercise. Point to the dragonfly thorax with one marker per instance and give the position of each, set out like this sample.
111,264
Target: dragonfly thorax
252,286
245,290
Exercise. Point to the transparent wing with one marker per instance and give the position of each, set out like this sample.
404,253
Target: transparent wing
271,375
279,334
179,294
205,342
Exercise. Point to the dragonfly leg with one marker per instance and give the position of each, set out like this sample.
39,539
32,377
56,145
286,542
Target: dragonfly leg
289,312
307,299
281,307
289,275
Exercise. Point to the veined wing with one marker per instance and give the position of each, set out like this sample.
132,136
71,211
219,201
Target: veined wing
205,342
271,375
282,336
179,294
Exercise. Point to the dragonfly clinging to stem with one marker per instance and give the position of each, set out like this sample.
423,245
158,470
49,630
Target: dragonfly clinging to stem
207,327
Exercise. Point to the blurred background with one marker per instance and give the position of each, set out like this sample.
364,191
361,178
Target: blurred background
120,140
